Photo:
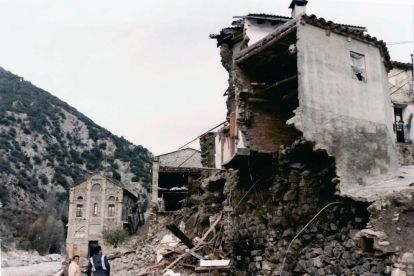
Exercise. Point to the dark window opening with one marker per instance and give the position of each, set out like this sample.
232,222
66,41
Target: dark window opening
111,198
358,71
80,198
368,245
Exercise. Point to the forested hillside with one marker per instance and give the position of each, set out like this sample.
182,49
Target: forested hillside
46,146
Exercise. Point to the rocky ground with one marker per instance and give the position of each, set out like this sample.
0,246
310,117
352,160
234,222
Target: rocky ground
18,258
42,269
29,263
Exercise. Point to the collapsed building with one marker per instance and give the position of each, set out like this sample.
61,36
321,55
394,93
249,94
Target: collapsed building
304,179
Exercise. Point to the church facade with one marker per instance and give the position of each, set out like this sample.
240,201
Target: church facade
95,203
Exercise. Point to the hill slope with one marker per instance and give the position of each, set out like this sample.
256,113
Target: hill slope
46,146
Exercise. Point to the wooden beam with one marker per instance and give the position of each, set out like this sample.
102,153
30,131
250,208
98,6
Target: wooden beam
268,44
289,95
211,268
196,246
177,232
277,84
189,265
158,265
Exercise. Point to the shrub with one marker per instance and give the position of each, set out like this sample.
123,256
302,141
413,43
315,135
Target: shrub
114,237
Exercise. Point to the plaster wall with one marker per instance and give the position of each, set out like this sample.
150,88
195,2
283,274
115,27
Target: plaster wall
222,144
174,159
350,119
256,32
400,80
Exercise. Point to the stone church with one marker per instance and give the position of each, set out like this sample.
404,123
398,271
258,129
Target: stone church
95,203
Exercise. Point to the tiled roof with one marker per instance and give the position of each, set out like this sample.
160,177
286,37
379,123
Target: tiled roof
402,65
347,30
268,15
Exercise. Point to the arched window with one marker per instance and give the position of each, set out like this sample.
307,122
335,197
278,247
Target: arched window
95,209
80,198
96,188
111,198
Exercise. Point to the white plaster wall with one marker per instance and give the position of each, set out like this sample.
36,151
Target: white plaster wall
348,118
258,31
398,80
176,158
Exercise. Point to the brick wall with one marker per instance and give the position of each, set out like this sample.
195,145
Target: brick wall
268,130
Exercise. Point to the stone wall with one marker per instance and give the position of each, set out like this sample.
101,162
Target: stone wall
259,223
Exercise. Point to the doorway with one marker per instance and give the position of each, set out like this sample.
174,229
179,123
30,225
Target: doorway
399,125
92,248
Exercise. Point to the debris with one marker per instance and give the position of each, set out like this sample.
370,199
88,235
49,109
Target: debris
179,234
214,263
166,246
211,268
169,272
194,254
158,265
197,245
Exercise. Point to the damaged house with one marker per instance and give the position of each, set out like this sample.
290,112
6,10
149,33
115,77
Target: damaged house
314,78
305,178
172,178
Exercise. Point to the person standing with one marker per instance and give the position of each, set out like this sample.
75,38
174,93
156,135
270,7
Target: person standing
98,264
74,269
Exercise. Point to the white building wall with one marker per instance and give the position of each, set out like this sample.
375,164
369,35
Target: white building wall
256,32
348,118
175,159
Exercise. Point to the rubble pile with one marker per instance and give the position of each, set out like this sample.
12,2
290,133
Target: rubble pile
263,206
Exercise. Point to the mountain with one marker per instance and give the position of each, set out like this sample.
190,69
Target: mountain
46,146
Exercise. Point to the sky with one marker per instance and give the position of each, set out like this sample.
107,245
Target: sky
147,70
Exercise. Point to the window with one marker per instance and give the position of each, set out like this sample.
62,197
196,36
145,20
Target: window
96,188
79,208
111,198
80,198
358,67
95,209
111,210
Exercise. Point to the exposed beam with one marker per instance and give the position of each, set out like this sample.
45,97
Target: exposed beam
276,84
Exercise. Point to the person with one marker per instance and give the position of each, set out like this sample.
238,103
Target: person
98,264
74,269
65,271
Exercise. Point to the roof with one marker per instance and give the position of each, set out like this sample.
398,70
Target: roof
402,65
180,169
119,184
268,16
348,30
226,34
177,151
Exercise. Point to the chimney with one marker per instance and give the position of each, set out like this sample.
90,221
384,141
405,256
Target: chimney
298,7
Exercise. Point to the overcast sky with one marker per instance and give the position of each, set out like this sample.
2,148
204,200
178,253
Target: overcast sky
146,70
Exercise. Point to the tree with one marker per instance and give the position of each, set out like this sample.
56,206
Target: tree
114,237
